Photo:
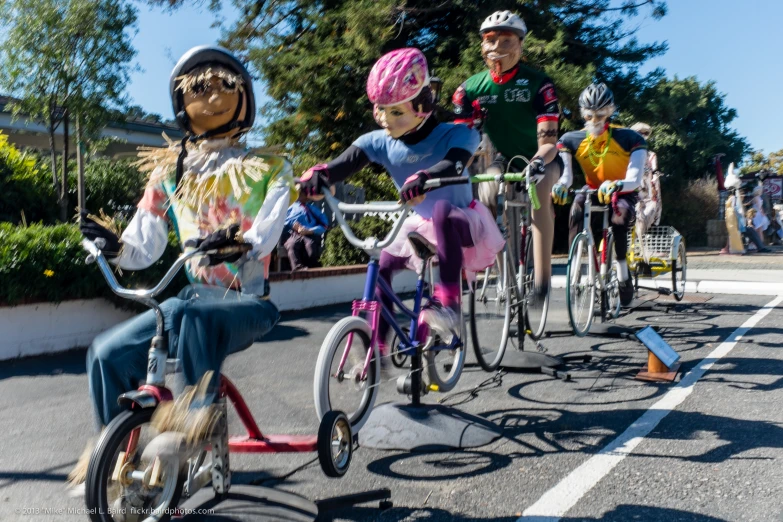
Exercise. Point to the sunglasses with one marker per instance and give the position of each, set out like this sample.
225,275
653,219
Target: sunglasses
595,115
204,87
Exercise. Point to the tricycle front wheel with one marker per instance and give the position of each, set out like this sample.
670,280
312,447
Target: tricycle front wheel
115,487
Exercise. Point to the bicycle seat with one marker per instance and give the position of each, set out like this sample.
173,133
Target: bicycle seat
424,249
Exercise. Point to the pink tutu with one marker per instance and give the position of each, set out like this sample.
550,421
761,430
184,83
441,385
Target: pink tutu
487,239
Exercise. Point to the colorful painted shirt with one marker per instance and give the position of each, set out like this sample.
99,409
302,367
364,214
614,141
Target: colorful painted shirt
607,157
222,184
402,160
515,105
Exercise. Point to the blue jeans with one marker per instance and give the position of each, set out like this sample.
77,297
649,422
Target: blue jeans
203,325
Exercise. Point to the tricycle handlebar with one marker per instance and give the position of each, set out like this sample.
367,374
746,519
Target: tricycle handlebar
140,295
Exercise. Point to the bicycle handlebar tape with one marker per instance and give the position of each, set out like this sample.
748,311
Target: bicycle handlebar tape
533,194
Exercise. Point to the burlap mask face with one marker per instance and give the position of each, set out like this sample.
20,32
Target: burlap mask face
211,96
501,50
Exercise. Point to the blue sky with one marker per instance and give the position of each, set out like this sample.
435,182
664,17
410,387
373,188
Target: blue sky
736,44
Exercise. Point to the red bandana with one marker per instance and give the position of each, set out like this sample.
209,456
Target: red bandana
505,77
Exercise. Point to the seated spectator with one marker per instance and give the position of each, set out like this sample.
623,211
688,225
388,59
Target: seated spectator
305,225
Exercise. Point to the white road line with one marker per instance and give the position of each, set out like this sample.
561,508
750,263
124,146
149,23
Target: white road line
556,502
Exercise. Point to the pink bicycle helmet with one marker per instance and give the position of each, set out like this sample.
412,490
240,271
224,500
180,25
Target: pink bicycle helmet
397,77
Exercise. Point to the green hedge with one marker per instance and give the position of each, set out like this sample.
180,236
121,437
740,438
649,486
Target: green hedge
339,252
46,264
115,186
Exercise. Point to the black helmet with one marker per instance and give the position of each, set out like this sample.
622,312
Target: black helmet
596,97
212,55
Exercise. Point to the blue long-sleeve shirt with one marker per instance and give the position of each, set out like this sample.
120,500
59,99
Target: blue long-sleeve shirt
309,217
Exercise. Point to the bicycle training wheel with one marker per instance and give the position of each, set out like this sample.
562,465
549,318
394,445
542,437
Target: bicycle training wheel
611,293
580,287
122,445
679,268
338,383
536,308
489,313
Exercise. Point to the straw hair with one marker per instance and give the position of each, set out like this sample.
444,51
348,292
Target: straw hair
186,82
194,190
189,414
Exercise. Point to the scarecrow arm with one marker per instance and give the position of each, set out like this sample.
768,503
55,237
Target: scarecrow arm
144,241
268,224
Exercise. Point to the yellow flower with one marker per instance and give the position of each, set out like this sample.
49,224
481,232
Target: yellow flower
48,273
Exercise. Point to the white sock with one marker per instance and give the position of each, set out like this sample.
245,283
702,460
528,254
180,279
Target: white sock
622,274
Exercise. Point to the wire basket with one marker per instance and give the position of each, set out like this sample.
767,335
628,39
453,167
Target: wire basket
657,242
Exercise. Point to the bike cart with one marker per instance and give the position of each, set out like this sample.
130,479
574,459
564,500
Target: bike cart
129,474
660,251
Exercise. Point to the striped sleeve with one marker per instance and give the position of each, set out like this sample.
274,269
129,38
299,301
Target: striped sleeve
546,102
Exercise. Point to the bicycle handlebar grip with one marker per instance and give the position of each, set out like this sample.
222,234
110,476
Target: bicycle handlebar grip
445,182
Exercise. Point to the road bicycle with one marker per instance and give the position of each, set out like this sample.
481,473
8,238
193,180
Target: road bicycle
502,306
592,272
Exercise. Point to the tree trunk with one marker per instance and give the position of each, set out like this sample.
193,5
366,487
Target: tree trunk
64,171
53,156
80,162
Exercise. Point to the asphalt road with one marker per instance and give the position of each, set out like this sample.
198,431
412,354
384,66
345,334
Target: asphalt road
714,457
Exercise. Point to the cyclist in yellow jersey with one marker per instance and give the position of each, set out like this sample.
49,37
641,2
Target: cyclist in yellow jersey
612,160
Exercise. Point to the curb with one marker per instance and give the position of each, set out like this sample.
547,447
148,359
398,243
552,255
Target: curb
707,286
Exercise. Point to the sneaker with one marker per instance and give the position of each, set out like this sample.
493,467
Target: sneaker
443,320
626,292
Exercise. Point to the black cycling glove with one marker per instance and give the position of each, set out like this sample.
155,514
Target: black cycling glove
93,230
219,239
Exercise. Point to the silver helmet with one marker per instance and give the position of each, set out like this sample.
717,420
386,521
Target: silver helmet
504,21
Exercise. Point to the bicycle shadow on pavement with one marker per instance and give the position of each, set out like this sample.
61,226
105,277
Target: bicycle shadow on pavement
737,367
556,431
621,513
439,464
423,514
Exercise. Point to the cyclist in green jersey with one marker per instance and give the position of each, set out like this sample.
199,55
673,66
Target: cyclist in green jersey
519,111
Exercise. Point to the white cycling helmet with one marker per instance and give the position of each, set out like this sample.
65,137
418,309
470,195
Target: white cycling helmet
504,21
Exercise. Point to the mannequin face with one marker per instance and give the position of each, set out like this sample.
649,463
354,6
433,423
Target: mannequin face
211,103
501,50
397,119
596,121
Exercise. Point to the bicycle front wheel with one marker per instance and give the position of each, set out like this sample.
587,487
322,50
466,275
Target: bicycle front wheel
338,384
580,287
679,267
536,307
489,313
